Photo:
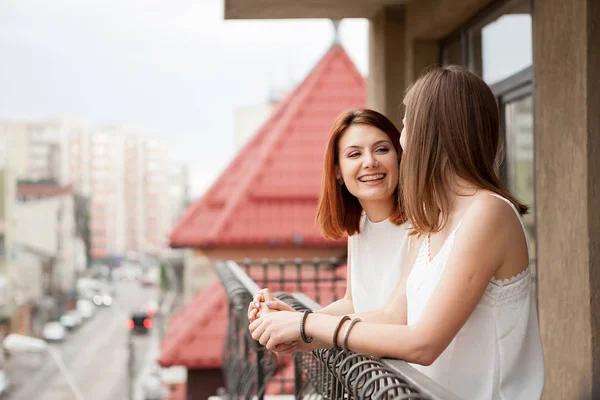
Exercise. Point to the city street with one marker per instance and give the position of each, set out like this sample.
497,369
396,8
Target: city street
96,355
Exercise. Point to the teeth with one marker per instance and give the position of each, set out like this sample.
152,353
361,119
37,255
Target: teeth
371,178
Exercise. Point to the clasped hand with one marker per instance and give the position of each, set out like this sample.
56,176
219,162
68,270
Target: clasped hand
274,323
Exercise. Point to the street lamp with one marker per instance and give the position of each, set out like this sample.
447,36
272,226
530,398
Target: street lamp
15,343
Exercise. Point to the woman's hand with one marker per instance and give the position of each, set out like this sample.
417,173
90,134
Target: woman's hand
285,349
264,296
277,328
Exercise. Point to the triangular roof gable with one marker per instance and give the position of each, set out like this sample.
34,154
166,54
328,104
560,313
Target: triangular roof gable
268,193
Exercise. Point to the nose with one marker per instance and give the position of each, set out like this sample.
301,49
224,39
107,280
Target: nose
370,161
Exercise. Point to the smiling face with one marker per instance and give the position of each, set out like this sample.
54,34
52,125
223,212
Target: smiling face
368,165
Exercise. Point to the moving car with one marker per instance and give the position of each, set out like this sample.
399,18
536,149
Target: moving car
140,322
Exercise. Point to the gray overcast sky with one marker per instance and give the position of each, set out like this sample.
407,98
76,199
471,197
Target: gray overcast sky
174,69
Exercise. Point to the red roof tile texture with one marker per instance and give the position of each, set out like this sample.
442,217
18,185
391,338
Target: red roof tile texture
268,194
196,335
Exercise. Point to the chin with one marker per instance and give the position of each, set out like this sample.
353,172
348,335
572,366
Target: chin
364,195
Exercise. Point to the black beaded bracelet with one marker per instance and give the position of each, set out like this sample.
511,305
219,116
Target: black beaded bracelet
302,331
337,331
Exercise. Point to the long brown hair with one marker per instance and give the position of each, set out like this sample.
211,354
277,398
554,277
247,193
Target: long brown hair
339,211
452,125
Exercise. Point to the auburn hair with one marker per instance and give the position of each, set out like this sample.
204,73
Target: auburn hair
452,125
339,211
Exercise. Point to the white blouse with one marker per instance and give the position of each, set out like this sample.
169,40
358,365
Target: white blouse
377,255
498,352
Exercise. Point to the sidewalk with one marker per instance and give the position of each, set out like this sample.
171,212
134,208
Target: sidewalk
149,376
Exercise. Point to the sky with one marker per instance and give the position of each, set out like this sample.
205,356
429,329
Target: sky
172,69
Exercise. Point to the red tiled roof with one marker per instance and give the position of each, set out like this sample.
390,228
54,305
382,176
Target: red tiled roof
196,335
268,194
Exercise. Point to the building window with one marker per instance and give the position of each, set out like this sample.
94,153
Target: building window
520,167
516,109
503,45
496,44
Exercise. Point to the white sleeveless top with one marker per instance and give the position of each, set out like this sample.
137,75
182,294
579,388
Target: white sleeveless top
377,256
498,352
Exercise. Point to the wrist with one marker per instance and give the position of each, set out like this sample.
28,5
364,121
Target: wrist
341,331
305,338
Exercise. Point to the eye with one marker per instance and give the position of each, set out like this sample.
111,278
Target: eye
382,150
354,154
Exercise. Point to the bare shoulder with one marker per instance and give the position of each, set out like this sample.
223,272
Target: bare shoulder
493,226
490,213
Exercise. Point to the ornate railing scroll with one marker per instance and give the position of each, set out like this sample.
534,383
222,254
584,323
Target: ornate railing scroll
332,374
247,365
322,374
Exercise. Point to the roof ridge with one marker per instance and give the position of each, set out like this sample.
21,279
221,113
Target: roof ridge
296,97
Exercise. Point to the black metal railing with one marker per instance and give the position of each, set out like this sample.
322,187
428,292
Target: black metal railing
322,374
324,280
247,366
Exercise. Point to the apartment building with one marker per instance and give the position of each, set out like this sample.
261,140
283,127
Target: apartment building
125,175
134,191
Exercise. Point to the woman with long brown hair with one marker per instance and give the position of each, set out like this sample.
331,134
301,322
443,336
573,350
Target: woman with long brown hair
359,199
464,313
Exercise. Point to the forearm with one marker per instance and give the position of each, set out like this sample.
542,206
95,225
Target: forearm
379,340
381,316
338,308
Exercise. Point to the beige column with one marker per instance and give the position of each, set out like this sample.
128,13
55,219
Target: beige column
567,134
385,86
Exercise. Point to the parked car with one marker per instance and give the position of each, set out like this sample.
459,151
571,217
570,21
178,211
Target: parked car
140,322
71,320
86,308
54,332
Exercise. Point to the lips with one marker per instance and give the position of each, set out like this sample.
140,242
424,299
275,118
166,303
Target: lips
371,178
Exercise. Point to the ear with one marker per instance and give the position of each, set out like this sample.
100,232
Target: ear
338,173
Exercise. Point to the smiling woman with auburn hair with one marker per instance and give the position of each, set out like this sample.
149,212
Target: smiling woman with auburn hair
339,211
359,199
